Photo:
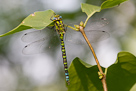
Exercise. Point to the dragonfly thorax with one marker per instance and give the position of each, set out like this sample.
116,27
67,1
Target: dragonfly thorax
59,26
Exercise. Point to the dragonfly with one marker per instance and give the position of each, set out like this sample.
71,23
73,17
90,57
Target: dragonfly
39,39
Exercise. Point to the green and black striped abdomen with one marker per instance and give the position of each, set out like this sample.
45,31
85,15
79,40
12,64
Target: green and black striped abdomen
64,57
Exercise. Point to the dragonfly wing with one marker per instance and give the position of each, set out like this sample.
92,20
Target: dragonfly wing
37,35
97,35
35,47
39,41
74,37
41,46
93,36
33,36
96,23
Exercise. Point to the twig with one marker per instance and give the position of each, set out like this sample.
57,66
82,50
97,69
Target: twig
103,80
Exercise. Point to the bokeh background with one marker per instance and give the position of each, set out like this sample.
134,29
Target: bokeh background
44,72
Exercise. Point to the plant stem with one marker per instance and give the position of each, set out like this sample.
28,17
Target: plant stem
103,80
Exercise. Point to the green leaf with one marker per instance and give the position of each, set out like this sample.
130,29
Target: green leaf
111,3
38,20
89,10
121,76
83,77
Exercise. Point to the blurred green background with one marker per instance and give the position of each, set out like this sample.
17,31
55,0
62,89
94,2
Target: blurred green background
44,72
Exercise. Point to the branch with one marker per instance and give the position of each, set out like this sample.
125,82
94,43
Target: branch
103,80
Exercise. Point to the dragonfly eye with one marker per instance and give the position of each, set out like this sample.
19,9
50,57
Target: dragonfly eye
60,17
54,18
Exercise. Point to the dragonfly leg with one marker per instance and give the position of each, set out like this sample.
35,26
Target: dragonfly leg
52,16
66,26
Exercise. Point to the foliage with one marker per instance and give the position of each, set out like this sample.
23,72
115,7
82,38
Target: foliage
121,76
111,3
37,21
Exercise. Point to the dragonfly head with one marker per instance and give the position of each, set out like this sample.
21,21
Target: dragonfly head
57,17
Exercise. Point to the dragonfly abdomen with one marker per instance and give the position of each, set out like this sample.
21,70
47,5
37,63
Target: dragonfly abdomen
64,58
